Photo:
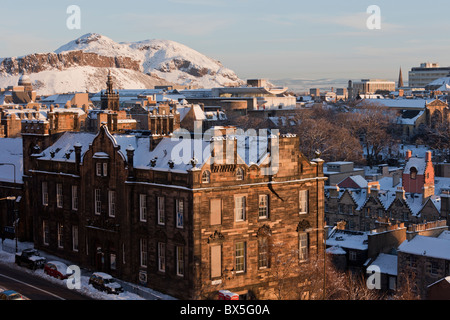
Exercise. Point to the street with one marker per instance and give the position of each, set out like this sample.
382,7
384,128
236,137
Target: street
35,288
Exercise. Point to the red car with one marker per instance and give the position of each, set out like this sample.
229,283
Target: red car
56,269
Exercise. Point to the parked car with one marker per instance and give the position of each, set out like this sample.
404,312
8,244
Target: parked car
30,258
56,269
105,282
11,295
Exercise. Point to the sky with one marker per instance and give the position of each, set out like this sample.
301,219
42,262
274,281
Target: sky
283,39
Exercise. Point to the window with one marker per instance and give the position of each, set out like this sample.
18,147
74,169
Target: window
75,198
303,246
45,232
44,193
179,207
263,252
216,262
206,177
98,201
112,203
101,169
352,256
263,210
180,261
380,213
75,238
411,262
161,214
59,195
112,261
433,268
239,208
161,256
392,283
143,250
60,235
240,257
215,211
413,173
240,174
303,201
405,215
143,207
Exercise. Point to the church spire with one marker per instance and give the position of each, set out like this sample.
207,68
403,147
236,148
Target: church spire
400,79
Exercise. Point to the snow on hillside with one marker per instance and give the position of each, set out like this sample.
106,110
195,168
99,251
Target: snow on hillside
159,62
82,79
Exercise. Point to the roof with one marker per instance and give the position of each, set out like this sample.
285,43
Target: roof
415,162
353,182
63,148
348,239
387,264
438,248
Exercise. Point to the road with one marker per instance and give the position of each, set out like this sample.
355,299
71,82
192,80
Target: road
35,288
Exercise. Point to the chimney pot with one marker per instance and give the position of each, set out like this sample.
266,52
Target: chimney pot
408,154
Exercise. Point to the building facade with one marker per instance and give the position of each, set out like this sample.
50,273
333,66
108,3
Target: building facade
121,204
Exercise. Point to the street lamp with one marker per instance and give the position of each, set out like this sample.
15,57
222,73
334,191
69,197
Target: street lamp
10,164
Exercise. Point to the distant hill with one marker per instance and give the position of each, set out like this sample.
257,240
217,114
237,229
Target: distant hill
82,65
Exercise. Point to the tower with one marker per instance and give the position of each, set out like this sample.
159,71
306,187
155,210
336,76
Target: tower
110,98
400,79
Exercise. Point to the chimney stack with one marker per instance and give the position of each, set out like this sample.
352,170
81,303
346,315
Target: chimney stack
428,156
77,148
408,155
400,193
130,161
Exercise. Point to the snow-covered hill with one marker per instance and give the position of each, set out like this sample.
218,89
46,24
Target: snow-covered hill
82,65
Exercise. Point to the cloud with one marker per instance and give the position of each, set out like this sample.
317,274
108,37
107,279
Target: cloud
199,2
180,24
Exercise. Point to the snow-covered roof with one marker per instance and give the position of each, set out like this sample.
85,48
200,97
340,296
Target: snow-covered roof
438,248
348,239
63,148
387,264
415,162
398,103
335,250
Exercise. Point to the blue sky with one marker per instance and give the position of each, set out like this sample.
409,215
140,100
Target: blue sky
256,38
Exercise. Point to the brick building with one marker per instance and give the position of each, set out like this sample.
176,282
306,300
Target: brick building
122,204
417,197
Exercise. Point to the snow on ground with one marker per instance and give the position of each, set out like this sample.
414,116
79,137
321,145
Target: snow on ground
8,258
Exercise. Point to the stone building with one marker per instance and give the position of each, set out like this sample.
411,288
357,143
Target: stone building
121,204
424,260
417,197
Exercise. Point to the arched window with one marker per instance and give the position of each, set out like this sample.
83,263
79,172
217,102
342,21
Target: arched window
413,173
240,174
206,176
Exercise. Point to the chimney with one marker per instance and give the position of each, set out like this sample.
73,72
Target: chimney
400,193
373,188
408,155
77,148
334,191
428,156
130,161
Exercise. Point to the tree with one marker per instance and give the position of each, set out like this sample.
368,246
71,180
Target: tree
375,126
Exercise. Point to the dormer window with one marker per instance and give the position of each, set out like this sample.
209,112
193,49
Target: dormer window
413,173
206,177
240,174
102,169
